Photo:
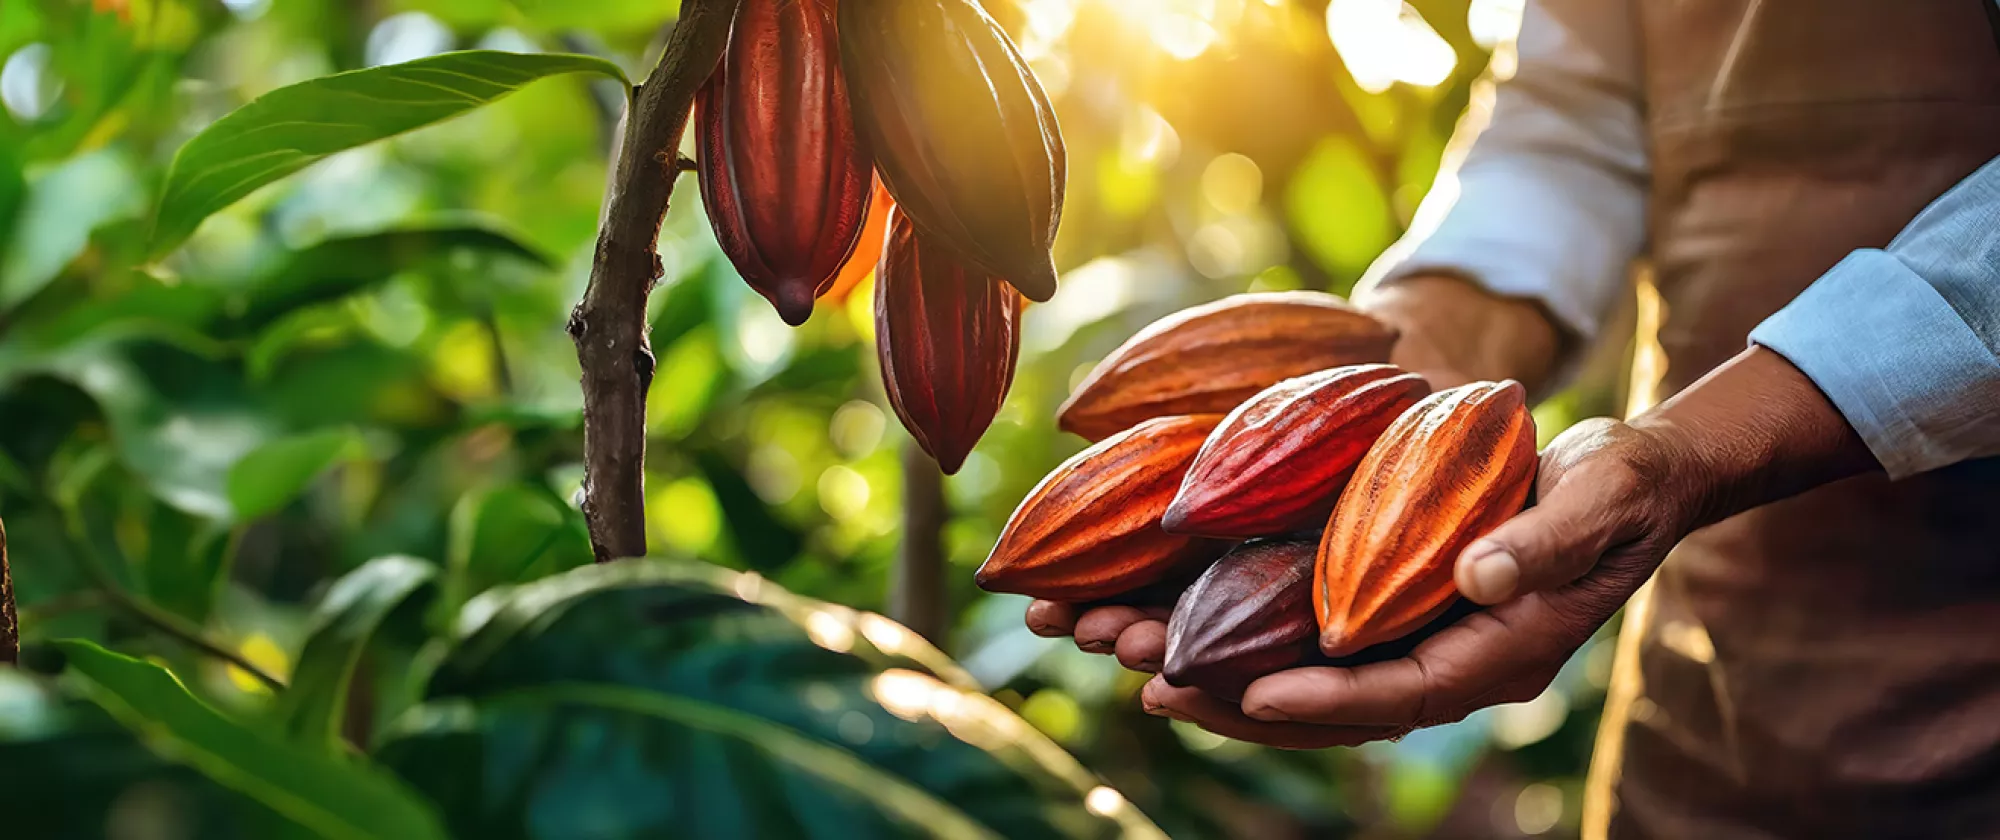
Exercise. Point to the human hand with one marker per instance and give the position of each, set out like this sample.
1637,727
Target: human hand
1612,499
1451,332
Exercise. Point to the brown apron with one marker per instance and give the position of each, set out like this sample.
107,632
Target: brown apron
1828,666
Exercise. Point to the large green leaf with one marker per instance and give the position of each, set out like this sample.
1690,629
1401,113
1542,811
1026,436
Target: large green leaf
340,266
291,127
346,619
655,698
328,796
64,204
272,475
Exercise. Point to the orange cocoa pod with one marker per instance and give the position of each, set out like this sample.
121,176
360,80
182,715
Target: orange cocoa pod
1447,472
867,250
962,133
948,337
783,174
1250,614
1208,359
1091,528
1278,462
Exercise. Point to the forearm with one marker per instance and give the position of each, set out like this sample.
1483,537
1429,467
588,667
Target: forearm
1454,332
1753,431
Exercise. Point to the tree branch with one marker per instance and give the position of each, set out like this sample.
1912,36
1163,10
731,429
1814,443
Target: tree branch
609,325
917,596
10,626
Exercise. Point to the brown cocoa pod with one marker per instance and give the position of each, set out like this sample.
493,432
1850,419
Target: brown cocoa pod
948,337
1447,472
1208,359
783,173
1091,528
1250,614
961,131
1278,462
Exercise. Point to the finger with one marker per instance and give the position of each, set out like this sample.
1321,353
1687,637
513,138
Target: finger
1097,630
1585,508
1143,646
1051,618
1494,656
1227,719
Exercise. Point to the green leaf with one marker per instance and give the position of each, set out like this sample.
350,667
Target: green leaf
63,206
310,709
657,698
334,798
341,266
511,534
292,127
272,475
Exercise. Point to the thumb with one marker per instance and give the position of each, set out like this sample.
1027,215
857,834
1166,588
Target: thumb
1544,547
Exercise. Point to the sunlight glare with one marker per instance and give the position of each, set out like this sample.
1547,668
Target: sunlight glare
1386,41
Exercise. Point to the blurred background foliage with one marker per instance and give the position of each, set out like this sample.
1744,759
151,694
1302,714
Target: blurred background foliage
368,358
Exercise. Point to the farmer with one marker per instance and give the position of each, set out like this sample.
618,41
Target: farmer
1812,187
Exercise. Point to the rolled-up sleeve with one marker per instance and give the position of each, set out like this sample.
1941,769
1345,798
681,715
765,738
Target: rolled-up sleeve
1543,191
1905,340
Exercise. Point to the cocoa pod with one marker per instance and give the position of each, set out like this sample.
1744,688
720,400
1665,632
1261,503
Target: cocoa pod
1278,462
783,173
962,133
1250,614
947,337
1208,359
867,250
1091,528
1447,472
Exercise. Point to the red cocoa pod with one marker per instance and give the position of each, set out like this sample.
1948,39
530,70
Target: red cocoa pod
962,133
1447,472
1091,529
783,173
948,337
868,250
1250,614
1278,462
1208,359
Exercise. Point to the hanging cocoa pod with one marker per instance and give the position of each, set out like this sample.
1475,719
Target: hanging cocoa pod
1447,472
1278,462
961,131
1091,528
1210,358
783,173
868,250
947,337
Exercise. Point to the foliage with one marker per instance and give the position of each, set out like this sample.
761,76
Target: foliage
248,374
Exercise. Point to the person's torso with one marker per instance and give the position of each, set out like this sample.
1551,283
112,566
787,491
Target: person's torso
1828,665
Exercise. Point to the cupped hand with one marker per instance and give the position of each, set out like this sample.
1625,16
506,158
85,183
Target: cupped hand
1612,499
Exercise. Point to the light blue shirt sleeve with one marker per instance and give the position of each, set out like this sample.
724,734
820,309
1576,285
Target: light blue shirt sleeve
1905,340
1543,190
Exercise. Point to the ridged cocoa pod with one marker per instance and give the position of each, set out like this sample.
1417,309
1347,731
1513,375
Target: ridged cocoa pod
1447,472
783,173
1250,614
1091,528
1278,462
1208,359
947,337
961,131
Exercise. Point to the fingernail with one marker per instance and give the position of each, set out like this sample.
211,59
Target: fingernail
1266,712
1043,629
1095,646
1165,712
1495,573
1149,666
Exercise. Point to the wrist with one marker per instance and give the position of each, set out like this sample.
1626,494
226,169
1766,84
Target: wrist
1754,430
1454,332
